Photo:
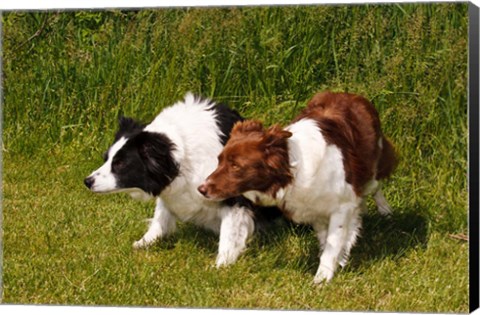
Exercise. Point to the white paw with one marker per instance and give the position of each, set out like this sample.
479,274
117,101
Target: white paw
382,204
344,261
324,274
224,260
384,209
139,244
143,242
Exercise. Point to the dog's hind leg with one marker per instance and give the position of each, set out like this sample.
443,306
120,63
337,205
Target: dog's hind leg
162,224
236,227
374,187
382,203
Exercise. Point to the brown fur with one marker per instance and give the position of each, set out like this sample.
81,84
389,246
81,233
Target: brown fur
388,160
351,123
254,158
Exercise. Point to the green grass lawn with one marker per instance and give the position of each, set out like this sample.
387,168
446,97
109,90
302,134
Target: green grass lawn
67,76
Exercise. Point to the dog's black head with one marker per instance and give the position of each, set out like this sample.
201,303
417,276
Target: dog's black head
140,162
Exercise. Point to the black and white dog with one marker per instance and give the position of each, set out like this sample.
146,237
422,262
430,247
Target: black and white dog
168,159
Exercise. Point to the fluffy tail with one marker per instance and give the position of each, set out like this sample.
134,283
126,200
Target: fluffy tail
388,160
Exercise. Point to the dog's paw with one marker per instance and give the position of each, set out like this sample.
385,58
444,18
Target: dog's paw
139,244
343,262
143,243
384,209
224,260
382,204
324,275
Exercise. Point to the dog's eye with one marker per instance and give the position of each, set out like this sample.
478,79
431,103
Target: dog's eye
235,166
118,164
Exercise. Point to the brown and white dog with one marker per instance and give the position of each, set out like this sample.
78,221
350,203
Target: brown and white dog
318,170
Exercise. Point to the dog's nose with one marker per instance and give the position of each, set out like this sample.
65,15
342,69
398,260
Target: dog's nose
203,189
89,182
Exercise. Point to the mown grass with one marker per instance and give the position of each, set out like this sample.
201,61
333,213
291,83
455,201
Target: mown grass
65,86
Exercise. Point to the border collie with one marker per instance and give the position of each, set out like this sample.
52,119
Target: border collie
167,160
318,170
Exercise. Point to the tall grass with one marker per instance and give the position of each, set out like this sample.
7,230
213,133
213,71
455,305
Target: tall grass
68,75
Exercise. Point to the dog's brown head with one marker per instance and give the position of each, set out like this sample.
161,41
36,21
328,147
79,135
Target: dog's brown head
254,158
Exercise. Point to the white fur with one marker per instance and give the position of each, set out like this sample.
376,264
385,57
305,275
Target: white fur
195,134
235,229
320,196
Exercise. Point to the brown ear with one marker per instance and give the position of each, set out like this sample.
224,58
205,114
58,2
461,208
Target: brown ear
247,126
276,155
275,136
320,99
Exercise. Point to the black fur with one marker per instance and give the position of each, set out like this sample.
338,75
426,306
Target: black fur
127,127
225,119
145,162
263,216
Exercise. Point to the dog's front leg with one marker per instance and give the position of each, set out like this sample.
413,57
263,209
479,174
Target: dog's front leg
336,241
162,224
236,227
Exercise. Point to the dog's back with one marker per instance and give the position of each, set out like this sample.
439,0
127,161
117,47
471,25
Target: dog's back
351,123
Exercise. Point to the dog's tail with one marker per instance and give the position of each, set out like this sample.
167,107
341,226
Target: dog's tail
388,160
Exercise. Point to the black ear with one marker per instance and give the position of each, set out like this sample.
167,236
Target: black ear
156,150
127,126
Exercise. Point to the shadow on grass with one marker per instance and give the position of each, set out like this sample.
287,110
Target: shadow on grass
381,237
389,236
189,233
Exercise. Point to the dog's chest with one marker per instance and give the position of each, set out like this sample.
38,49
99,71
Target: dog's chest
319,185
188,207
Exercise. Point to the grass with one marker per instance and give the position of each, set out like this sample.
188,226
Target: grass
67,75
